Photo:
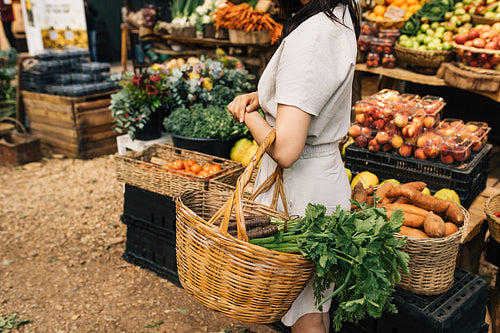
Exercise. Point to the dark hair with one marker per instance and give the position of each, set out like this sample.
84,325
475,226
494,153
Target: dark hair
296,13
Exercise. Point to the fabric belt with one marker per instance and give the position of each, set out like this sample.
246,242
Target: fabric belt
320,150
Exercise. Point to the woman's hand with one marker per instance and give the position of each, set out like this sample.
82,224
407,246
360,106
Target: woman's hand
243,103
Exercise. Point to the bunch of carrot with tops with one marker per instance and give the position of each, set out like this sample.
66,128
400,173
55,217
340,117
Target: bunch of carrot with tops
245,17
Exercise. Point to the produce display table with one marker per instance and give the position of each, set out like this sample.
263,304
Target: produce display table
197,46
406,75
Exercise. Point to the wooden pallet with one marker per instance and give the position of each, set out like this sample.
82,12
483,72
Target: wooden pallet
77,127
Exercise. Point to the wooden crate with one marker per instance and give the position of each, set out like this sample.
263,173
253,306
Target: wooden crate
77,127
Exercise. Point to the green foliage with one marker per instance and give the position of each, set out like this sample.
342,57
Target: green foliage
356,250
204,122
10,322
141,95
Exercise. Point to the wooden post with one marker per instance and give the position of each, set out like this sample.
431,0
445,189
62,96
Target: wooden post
124,48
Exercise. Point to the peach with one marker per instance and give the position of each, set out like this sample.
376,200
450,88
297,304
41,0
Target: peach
397,141
419,153
405,150
361,141
373,145
355,131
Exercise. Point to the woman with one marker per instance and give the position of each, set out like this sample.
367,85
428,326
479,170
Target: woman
7,16
305,93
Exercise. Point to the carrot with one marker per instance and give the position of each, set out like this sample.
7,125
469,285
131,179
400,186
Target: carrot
412,232
451,228
425,201
382,191
434,225
410,220
402,200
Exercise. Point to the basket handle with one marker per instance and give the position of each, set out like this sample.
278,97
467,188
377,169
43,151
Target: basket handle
235,201
16,122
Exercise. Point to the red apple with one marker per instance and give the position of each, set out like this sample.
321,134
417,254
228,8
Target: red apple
361,141
473,33
446,159
355,131
460,39
397,141
382,138
373,145
405,150
478,43
419,153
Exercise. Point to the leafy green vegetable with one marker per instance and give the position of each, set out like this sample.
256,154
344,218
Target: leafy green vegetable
356,250
10,322
434,10
412,26
204,122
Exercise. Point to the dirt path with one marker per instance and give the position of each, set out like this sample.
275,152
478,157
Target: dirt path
61,265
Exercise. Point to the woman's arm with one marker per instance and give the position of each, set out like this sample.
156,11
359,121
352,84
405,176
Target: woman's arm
292,125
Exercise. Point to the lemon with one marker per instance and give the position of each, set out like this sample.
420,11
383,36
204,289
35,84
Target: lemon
426,191
393,181
349,174
449,194
366,178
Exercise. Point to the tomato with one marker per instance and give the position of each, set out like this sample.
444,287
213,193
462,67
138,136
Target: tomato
191,162
177,165
207,167
216,167
204,174
196,168
497,214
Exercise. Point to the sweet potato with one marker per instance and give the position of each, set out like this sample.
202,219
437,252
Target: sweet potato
412,232
425,201
451,228
382,191
454,213
406,208
369,190
402,200
370,200
419,186
434,225
410,220
359,193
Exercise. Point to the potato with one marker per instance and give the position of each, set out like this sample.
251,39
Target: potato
412,232
434,225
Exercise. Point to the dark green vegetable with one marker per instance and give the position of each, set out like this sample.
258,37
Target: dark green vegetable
356,250
434,10
412,26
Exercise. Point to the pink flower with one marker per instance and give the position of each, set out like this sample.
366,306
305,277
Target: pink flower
154,78
126,115
136,119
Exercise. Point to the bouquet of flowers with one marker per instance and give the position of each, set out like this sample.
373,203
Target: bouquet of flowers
132,107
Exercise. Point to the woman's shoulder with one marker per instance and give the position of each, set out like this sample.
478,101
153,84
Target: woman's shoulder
322,24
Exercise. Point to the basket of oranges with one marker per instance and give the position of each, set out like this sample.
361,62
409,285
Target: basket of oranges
392,13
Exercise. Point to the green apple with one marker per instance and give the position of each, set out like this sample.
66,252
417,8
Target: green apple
424,27
427,40
466,2
430,32
422,48
420,38
459,5
440,29
466,18
416,45
490,15
459,11
406,43
439,35
448,15
435,25
447,46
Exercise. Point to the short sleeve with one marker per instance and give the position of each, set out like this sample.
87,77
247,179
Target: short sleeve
313,64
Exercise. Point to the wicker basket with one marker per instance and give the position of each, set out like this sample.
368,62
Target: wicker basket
243,281
478,19
432,261
491,207
135,169
386,23
467,54
422,58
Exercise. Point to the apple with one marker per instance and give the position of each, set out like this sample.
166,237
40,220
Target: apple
473,33
459,11
496,25
419,153
465,18
431,151
424,27
446,159
491,45
447,46
397,141
448,15
478,42
361,141
382,138
405,150
460,39
373,145
355,131
387,147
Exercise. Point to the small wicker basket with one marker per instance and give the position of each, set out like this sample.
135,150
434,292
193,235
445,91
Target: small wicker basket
386,23
422,58
432,261
491,207
249,37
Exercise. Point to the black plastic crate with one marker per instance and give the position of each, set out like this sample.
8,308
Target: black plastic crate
462,309
151,248
467,179
151,207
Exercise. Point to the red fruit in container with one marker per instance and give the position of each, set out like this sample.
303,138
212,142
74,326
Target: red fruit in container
387,147
373,145
405,150
401,120
429,122
382,138
360,118
473,33
460,154
419,153
397,141
431,151
461,39
378,124
478,43
446,159
355,131
361,141
366,131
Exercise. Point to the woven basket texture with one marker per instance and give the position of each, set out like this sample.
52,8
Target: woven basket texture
432,261
478,19
492,206
241,280
421,58
386,23
474,49
135,169
249,37
227,182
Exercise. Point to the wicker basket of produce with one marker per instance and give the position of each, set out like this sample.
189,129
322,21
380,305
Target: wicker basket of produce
163,169
477,58
478,19
386,23
492,209
225,273
433,228
422,58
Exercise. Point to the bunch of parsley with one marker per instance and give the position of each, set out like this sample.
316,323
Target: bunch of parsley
356,250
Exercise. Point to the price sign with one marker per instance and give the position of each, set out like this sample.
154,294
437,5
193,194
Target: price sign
394,13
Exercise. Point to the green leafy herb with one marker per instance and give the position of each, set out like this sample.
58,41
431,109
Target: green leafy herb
10,322
356,250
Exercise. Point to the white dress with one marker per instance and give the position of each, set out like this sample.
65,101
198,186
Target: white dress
313,70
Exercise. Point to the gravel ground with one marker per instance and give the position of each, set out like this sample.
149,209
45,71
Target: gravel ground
61,265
